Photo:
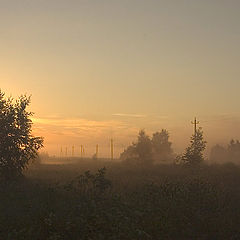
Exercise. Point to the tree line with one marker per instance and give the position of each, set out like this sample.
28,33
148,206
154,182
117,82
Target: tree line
158,149
18,146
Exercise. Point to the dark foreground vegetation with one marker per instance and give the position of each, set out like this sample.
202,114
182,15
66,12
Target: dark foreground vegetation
135,199
122,202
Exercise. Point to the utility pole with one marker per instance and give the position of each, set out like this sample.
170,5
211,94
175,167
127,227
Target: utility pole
195,122
111,149
81,151
97,151
73,151
66,152
61,152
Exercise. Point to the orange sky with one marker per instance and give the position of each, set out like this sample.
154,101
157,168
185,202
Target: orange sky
105,69
67,132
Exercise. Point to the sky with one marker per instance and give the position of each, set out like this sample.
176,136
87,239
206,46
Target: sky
105,69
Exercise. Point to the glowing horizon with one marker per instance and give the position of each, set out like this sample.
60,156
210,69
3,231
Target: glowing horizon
98,70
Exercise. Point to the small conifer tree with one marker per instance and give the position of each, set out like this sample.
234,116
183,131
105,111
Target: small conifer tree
194,152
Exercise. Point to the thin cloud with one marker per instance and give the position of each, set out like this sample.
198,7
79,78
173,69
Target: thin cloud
221,118
76,123
129,115
81,127
162,117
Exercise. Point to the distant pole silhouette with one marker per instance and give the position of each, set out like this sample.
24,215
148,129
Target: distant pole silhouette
66,151
61,152
111,149
73,151
195,122
81,151
97,151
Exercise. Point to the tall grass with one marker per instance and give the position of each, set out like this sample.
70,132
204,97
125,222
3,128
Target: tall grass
122,202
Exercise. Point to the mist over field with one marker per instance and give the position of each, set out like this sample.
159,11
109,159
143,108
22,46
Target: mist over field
149,192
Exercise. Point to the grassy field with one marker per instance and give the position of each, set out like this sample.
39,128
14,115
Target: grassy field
84,200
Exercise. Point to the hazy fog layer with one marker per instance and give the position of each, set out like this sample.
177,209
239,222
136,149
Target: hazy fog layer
105,69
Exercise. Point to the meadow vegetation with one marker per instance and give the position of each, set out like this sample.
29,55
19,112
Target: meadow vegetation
95,199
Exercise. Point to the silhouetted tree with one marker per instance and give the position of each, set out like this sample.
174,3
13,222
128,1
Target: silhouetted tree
129,154
234,151
161,146
17,144
139,152
194,153
218,154
144,148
